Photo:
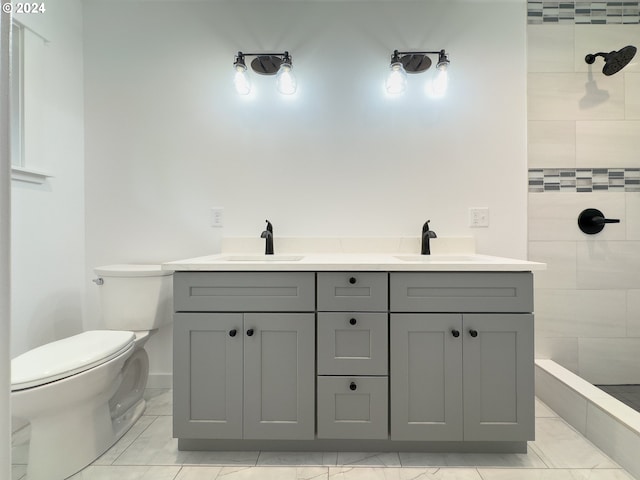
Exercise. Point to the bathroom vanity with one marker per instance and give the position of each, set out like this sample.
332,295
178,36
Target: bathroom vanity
334,352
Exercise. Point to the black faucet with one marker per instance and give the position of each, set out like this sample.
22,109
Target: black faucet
426,235
268,236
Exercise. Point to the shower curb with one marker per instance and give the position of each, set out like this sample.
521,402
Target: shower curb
605,421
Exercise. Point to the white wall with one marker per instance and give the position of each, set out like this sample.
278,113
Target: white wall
167,137
48,280
588,301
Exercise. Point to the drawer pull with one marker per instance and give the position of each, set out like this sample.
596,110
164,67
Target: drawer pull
353,386
473,333
352,280
232,333
250,332
455,333
353,321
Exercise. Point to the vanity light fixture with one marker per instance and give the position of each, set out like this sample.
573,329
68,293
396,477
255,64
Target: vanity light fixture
278,64
416,62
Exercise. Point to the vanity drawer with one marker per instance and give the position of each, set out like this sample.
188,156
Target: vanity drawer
352,291
461,292
353,343
244,291
353,407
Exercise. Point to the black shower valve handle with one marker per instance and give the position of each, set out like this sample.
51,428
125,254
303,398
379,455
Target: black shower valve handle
592,221
600,220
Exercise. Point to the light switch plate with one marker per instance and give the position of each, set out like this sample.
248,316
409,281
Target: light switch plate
217,217
479,217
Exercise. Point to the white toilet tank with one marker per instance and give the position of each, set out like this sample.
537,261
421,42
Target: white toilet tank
135,297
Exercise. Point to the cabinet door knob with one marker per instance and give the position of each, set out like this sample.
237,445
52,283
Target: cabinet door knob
352,280
232,333
353,321
353,386
455,333
250,332
473,333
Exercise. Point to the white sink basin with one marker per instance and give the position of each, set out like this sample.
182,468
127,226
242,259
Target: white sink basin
437,258
262,258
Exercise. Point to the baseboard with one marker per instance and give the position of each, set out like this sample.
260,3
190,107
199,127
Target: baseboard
160,380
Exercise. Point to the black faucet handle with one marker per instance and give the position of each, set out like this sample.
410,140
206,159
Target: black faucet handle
425,227
269,226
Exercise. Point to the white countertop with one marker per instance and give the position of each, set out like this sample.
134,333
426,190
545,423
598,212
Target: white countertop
392,262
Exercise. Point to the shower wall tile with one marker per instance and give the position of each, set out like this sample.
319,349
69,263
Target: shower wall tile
583,313
584,180
604,38
562,350
560,258
552,144
633,213
608,264
609,360
607,144
554,215
550,48
633,313
632,95
573,96
581,134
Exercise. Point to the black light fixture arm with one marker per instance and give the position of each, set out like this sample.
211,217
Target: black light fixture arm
283,54
419,61
436,52
263,63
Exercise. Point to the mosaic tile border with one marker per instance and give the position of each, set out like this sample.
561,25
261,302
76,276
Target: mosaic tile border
582,12
584,180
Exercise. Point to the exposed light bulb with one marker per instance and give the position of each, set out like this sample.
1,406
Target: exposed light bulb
443,61
397,79
286,80
241,80
440,83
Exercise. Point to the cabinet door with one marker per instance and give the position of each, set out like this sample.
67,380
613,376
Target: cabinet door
279,376
207,375
426,377
498,377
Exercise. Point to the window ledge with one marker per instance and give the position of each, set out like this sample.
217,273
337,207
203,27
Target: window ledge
29,175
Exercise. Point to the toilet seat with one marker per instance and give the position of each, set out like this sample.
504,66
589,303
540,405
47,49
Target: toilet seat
69,356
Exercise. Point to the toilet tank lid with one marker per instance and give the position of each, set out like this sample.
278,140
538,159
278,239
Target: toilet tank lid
68,356
131,271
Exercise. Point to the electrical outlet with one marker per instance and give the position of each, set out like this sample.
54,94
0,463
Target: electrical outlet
216,217
479,217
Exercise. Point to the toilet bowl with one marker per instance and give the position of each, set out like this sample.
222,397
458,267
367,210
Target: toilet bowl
82,393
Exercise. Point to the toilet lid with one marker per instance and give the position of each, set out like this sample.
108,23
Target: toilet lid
67,357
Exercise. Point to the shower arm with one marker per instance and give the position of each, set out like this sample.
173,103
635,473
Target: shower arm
591,57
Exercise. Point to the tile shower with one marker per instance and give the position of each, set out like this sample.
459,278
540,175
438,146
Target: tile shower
582,143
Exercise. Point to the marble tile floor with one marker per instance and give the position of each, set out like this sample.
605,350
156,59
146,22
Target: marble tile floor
627,394
147,452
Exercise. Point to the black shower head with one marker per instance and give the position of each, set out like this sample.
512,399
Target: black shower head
613,61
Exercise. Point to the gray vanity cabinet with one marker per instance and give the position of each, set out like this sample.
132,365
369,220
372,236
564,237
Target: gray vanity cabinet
464,375
402,360
244,375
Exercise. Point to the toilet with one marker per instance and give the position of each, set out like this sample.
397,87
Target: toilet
82,393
